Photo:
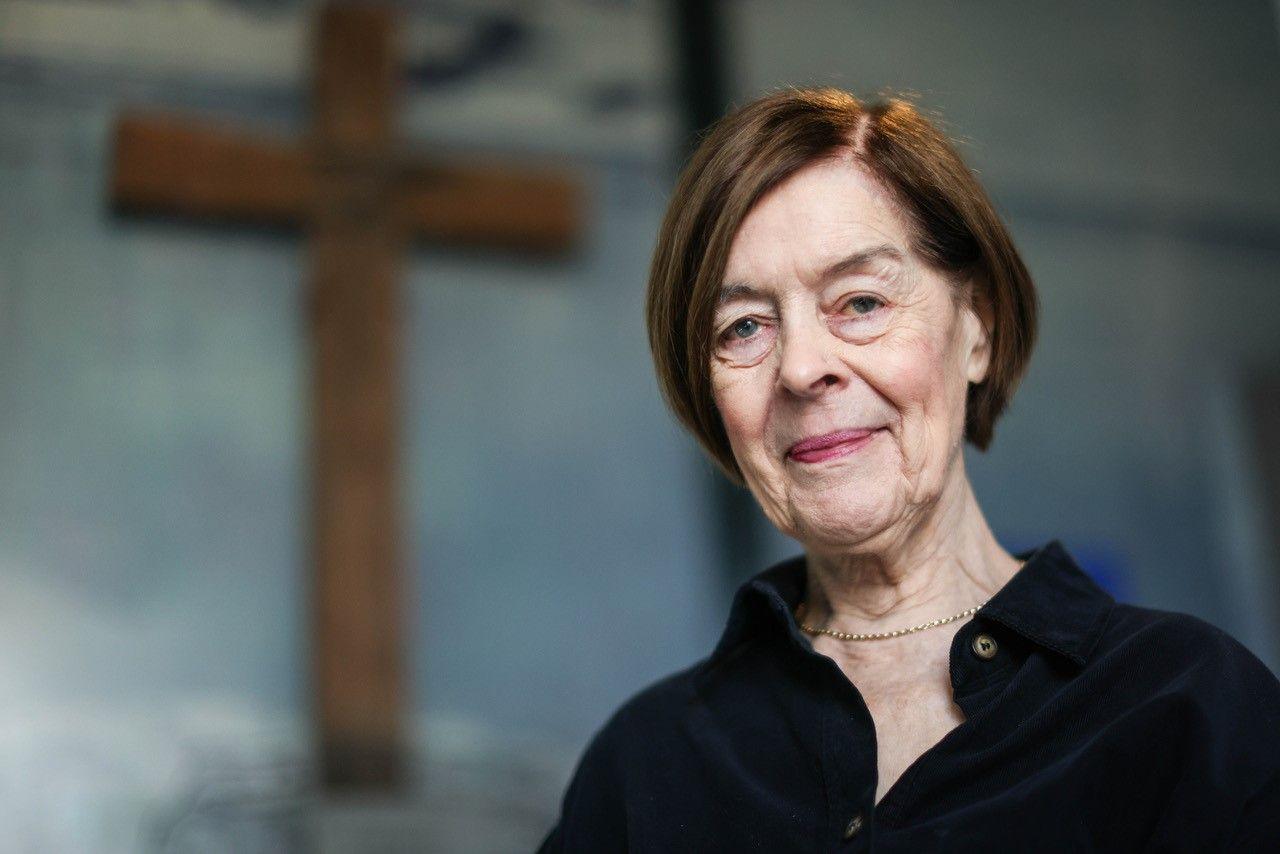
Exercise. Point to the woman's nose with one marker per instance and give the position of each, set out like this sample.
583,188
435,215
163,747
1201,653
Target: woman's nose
809,364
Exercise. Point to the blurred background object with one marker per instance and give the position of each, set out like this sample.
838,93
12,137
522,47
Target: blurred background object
224,628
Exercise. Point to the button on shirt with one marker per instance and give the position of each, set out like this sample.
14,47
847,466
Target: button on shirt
1089,726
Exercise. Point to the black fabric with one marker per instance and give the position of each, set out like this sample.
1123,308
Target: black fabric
1096,726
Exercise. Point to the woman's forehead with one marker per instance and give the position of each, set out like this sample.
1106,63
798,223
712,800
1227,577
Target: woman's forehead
817,216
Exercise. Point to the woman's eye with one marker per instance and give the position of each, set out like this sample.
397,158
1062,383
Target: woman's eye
745,341
862,305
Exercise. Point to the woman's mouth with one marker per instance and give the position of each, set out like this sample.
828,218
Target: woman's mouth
821,448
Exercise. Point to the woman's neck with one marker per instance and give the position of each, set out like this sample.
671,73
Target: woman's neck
947,563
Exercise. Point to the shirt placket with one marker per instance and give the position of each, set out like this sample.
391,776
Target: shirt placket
848,761
849,743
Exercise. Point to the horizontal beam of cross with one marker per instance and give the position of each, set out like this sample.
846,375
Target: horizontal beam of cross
172,166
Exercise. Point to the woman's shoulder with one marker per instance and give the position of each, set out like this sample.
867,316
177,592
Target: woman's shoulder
631,753
656,706
1198,637
1214,706
1183,651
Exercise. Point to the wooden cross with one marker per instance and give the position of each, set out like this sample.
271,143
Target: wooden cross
359,199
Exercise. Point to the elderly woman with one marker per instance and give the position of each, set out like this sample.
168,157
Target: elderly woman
833,307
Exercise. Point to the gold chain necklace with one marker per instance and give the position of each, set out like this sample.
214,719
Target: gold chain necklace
880,635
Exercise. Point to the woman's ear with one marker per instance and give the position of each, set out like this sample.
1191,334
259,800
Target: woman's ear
980,320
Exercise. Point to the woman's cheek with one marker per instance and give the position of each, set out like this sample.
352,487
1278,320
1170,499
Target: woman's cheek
907,377
731,397
912,366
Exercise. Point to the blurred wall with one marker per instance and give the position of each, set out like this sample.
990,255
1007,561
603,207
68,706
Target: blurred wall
152,394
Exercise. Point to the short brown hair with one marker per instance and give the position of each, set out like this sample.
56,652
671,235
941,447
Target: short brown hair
953,227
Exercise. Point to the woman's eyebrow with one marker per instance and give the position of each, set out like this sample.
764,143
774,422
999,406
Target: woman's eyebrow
859,259
731,291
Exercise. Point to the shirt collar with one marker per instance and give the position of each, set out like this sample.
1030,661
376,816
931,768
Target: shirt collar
1050,601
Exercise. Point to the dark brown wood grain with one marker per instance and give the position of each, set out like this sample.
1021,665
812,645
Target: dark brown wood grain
167,166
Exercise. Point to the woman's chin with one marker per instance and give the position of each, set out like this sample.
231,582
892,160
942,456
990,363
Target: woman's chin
845,514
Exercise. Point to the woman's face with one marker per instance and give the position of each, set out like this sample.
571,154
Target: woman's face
829,323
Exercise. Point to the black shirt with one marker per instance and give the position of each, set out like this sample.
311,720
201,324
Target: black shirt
1089,726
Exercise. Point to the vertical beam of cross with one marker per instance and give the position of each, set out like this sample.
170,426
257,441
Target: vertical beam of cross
356,243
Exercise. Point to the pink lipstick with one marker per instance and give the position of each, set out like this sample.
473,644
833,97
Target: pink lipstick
815,449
